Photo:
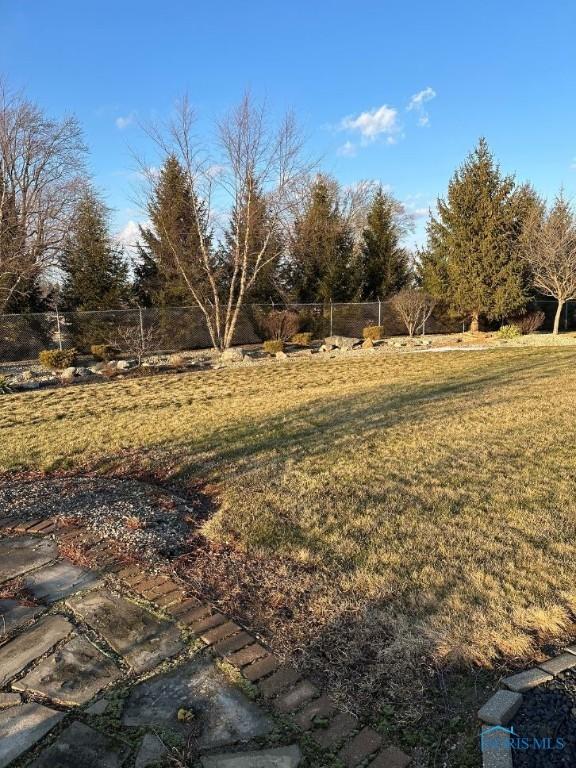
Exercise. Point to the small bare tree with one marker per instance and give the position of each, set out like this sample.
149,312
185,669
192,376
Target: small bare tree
550,250
253,160
41,166
414,307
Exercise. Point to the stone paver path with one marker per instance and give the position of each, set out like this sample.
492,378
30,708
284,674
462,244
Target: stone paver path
91,678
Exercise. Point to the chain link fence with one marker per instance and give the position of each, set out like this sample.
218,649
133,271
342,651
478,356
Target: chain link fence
174,329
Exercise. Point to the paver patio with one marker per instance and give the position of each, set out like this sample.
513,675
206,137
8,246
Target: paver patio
88,652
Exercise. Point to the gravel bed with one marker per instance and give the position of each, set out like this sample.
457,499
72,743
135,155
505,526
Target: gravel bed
548,711
144,519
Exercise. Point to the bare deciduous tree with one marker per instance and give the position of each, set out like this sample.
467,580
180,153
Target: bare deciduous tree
41,166
414,307
550,250
251,159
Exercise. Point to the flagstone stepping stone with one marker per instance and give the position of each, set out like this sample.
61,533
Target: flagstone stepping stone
14,614
281,757
60,580
80,746
219,713
21,727
72,675
142,639
41,637
151,751
20,554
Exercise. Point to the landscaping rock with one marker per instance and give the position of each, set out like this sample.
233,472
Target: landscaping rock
232,355
68,373
18,653
142,639
20,554
83,372
223,714
80,746
367,344
151,751
14,614
124,365
21,727
281,356
60,580
342,342
281,757
500,708
72,675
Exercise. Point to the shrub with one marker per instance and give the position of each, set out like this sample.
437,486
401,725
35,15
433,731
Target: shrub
302,339
5,388
374,332
102,351
273,345
282,324
530,322
509,332
57,359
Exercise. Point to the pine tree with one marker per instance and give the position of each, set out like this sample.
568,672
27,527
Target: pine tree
178,221
95,272
262,239
322,249
384,264
473,253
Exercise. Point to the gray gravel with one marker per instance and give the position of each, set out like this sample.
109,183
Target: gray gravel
147,520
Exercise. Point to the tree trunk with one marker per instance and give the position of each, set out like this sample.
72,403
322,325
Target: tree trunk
475,322
557,317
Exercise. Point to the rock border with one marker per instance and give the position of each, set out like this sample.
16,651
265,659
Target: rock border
501,707
282,687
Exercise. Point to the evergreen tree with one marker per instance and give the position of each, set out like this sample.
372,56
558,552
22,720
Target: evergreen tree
251,220
473,259
95,272
384,264
322,249
171,244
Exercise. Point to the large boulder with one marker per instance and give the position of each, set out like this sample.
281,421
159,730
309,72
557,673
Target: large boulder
232,355
342,342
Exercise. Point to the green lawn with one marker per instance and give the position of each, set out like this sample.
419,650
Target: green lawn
388,519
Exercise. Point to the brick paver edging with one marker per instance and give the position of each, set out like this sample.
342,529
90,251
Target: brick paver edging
500,708
282,686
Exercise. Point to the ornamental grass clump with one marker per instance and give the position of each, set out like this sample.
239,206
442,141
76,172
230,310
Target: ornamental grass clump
373,332
273,345
509,332
303,339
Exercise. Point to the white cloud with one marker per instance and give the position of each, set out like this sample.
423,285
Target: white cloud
123,122
373,123
421,98
348,149
129,236
417,102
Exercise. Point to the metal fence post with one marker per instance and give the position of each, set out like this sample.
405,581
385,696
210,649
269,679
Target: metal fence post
379,312
141,327
331,317
59,332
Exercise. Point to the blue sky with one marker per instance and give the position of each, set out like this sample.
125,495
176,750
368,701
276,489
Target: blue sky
351,71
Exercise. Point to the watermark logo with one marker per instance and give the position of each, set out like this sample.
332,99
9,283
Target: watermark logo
498,738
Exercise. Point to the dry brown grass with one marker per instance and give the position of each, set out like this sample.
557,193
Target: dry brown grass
398,507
